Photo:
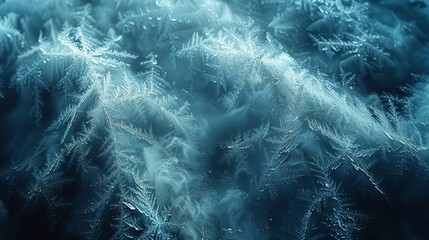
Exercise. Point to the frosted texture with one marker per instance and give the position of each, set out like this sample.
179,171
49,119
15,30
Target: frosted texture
214,119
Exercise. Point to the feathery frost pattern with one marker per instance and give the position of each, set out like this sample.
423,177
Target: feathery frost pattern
211,119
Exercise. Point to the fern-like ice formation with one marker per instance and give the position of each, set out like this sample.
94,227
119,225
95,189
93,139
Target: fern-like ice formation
213,119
